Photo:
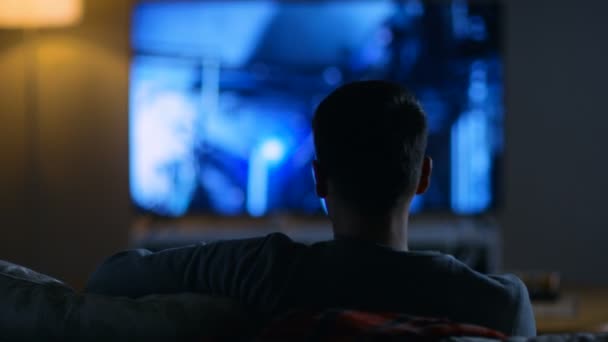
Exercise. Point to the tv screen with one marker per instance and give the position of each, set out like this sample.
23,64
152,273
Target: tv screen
222,95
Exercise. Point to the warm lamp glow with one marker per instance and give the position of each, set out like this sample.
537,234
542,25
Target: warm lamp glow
39,13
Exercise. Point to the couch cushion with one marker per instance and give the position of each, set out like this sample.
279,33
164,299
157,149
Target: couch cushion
34,307
31,304
176,317
16,271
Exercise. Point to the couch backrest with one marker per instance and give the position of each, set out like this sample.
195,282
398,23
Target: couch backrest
36,307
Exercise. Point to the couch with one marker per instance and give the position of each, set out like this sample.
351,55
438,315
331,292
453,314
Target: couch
36,307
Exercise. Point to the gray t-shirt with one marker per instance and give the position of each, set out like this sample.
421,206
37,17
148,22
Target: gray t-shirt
273,274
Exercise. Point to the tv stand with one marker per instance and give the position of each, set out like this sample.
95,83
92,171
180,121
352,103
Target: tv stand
475,241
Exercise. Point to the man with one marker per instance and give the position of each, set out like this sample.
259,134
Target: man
370,138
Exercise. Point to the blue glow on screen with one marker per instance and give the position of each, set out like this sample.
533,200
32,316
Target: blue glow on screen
472,151
272,150
222,95
228,31
269,153
163,130
471,186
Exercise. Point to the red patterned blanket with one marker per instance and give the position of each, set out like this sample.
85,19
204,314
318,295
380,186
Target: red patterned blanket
350,325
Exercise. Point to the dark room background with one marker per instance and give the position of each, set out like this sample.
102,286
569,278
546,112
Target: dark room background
556,167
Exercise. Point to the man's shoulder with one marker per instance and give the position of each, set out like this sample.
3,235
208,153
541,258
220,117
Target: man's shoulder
505,295
506,287
279,237
510,282
279,241
276,239
515,292
271,246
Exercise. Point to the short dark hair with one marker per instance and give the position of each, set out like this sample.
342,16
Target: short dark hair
370,138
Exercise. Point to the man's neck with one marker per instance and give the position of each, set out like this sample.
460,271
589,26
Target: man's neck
390,231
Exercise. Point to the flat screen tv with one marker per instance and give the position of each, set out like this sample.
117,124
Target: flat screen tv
222,95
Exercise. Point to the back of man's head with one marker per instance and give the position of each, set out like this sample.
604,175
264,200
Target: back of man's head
370,138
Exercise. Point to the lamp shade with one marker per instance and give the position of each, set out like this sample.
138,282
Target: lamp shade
39,13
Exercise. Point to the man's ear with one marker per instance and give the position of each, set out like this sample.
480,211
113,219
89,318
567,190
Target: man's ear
425,176
321,183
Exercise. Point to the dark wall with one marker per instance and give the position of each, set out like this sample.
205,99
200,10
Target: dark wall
557,138
79,210
15,233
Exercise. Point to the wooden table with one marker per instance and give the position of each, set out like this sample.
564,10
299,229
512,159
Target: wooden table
589,314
